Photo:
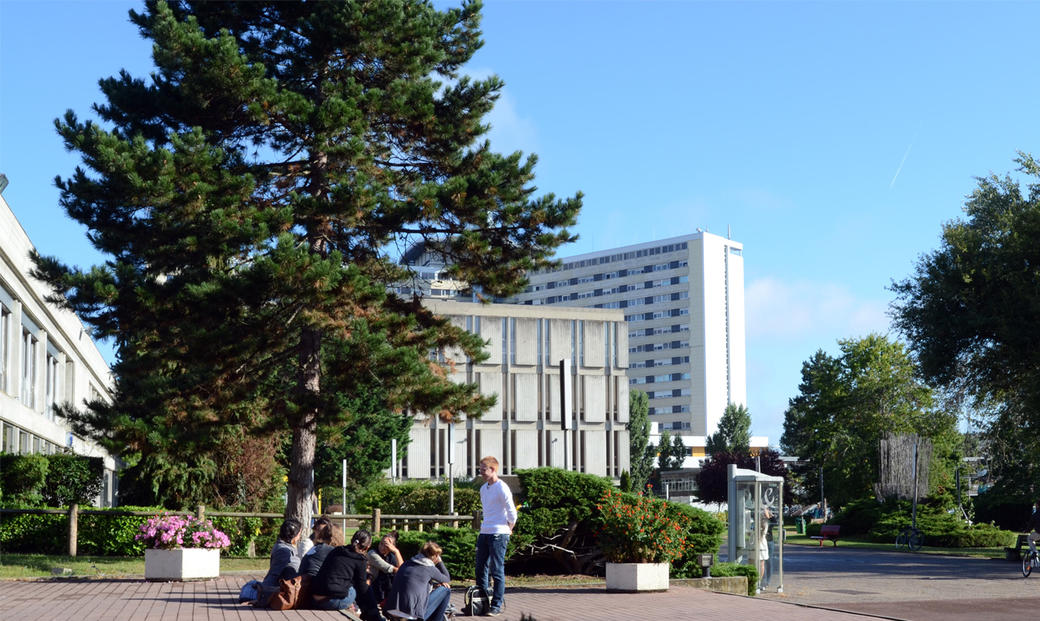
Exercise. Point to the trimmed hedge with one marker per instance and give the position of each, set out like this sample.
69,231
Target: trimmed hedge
459,548
723,570
417,498
882,522
706,533
56,480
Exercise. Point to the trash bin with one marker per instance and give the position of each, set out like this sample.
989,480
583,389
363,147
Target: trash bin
801,526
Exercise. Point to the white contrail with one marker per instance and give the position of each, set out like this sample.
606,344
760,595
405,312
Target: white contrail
898,170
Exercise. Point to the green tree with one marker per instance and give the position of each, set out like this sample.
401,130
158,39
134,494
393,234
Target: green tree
844,406
734,432
671,451
253,197
970,313
641,453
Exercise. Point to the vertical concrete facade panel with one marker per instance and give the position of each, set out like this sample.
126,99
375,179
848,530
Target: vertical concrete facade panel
526,341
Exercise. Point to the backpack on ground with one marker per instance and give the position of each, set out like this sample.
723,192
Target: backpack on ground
477,602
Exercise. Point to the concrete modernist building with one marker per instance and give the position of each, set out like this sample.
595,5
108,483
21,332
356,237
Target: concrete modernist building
683,299
46,358
524,428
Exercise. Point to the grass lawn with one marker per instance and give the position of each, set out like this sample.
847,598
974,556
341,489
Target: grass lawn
803,540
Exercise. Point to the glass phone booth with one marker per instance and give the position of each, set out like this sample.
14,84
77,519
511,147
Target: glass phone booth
756,510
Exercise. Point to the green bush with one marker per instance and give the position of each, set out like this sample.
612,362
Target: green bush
23,479
112,535
883,521
417,498
705,537
552,502
459,548
73,479
723,570
242,531
34,534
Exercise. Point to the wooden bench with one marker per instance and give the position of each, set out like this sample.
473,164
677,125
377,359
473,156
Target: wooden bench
828,532
1015,553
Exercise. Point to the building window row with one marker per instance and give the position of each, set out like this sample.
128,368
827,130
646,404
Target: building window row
18,441
668,394
659,346
662,314
626,256
646,269
641,332
667,377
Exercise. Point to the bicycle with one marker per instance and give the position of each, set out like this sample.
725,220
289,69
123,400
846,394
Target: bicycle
911,538
1029,561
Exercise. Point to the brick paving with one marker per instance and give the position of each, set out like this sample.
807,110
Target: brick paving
217,600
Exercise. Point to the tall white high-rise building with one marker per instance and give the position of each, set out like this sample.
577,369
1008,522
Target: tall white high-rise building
683,300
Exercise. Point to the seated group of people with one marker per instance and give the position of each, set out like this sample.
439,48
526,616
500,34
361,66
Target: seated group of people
357,575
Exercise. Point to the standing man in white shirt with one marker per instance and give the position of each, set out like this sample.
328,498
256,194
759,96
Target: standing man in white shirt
499,519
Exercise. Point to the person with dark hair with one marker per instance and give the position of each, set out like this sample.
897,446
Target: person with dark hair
411,593
285,563
342,579
383,562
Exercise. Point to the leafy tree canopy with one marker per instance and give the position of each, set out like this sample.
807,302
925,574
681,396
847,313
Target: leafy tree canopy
713,478
970,313
846,403
734,432
641,453
254,196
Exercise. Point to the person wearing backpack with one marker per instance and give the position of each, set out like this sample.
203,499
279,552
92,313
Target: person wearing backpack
499,518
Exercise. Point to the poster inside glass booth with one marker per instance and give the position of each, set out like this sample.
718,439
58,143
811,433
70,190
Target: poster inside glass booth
756,525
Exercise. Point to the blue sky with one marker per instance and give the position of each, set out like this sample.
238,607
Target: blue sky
833,138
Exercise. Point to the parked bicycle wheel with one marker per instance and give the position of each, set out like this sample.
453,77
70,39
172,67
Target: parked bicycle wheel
915,540
1027,564
901,539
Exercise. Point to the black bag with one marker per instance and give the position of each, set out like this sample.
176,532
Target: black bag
477,602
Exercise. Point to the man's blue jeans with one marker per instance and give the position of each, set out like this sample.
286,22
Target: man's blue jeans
336,603
437,603
491,555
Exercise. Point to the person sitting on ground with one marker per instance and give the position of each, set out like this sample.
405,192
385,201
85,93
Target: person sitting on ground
326,537
383,562
285,563
411,592
342,579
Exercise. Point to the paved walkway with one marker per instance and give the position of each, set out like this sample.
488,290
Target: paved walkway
216,600
819,584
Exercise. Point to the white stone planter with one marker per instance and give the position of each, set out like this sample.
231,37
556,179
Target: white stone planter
633,577
183,564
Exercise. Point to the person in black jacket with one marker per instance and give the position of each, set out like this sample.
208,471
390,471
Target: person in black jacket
342,578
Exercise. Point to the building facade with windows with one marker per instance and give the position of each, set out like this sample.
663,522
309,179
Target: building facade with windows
524,429
683,302
46,358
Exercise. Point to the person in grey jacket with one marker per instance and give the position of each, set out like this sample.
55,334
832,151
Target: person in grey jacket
285,563
411,592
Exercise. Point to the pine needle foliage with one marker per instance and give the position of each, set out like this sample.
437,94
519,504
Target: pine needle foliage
254,196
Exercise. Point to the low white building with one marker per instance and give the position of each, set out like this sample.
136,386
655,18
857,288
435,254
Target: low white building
524,428
46,358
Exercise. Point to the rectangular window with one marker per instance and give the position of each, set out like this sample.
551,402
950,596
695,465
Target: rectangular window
28,389
5,335
51,397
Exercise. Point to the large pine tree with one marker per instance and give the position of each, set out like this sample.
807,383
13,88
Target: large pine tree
253,197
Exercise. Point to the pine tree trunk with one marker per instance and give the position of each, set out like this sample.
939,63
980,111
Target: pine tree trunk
304,439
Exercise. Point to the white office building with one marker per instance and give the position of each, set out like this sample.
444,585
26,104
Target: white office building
683,300
524,429
46,358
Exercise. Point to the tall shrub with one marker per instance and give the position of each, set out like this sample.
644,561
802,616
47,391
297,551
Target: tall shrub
22,479
73,479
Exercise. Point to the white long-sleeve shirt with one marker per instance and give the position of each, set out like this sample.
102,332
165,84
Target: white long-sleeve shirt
499,510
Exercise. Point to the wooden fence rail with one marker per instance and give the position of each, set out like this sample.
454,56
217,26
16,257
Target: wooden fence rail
375,521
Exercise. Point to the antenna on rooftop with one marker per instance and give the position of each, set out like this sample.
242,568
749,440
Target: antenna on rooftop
729,231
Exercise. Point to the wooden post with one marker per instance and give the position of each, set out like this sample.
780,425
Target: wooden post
73,528
377,522
478,517
200,513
